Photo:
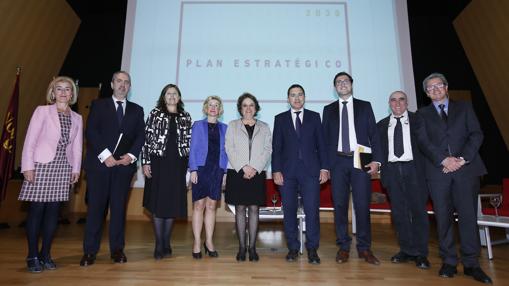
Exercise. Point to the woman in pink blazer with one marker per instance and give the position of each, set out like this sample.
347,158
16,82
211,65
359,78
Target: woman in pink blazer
51,163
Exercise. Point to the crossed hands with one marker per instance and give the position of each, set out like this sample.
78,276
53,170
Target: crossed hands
452,164
249,172
124,160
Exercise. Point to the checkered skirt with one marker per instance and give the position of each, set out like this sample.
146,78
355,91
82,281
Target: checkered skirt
52,179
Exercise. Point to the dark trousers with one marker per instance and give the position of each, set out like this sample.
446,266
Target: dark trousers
110,187
309,189
343,177
42,221
456,192
408,207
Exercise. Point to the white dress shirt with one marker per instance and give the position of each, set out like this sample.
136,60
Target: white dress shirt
407,143
351,126
294,116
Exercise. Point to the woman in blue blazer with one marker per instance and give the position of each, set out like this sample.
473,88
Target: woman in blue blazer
207,164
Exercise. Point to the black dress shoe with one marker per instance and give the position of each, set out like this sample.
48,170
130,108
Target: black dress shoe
211,253
241,255
34,265
197,255
477,274
87,259
118,257
292,255
158,254
48,263
402,257
422,262
313,257
253,256
447,271
167,251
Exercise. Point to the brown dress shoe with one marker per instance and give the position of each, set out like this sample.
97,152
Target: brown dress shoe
368,257
342,256
118,257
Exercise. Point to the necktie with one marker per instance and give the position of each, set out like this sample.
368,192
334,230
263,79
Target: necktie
345,139
298,123
120,111
298,127
398,138
442,112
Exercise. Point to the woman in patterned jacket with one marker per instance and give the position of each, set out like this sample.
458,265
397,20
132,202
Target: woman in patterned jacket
164,158
50,163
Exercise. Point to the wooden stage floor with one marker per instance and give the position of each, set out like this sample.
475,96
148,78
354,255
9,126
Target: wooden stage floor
272,269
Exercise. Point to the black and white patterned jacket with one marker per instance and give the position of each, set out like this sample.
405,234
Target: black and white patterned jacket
156,134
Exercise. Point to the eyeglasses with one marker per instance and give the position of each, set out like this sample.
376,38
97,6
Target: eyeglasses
343,82
248,105
436,85
173,94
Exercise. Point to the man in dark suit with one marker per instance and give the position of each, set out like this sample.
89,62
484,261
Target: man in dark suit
401,174
349,124
453,175
110,171
299,167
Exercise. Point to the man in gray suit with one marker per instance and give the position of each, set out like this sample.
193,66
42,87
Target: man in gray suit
453,175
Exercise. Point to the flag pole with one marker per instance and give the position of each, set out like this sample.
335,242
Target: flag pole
8,142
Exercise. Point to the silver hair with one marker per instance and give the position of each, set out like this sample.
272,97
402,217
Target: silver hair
432,76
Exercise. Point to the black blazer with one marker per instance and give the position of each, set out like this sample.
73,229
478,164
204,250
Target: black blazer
103,130
416,125
365,128
460,137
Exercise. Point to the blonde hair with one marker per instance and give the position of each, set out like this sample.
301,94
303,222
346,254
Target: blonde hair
50,97
206,104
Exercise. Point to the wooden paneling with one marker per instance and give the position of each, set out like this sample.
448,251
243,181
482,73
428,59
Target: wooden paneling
483,30
464,95
35,35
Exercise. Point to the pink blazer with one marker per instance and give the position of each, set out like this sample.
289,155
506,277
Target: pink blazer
42,139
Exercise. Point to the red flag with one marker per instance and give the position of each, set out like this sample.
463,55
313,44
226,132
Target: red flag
8,141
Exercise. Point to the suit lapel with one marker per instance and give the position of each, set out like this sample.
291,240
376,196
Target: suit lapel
55,119
289,121
243,128
356,119
435,117
451,111
256,129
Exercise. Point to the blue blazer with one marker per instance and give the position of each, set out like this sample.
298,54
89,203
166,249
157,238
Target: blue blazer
365,128
286,144
200,144
103,130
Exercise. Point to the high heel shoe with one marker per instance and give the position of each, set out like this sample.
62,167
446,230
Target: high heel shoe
197,255
158,255
253,256
241,255
209,252
167,252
